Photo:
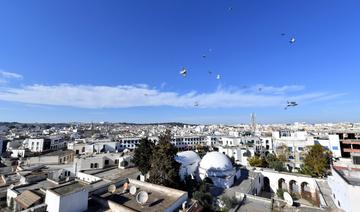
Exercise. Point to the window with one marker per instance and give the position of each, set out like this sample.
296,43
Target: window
95,165
356,160
335,148
339,204
91,165
106,162
300,148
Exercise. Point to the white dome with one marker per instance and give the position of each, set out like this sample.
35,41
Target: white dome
187,157
216,161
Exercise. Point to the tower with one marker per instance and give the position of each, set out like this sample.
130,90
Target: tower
253,122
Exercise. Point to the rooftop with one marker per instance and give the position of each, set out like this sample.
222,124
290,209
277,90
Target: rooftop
44,184
59,153
68,188
160,198
116,174
27,199
351,176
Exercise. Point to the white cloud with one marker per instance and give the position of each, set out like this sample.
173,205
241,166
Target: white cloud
10,75
125,96
279,90
6,76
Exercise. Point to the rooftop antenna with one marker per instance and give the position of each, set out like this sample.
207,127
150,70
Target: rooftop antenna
142,197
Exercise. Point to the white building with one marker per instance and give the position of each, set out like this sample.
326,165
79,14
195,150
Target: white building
345,187
98,161
188,142
297,143
330,142
218,168
68,198
240,154
44,144
189,161
126,161
231,141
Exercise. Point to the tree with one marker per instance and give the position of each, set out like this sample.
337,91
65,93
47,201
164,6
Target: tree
164,168
282,153
143,155
274,162
257,161
316,161
229,202
204,196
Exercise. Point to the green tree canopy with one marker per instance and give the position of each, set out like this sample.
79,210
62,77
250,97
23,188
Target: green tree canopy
316,161
204,196
257,161
274,162
143,155
164,168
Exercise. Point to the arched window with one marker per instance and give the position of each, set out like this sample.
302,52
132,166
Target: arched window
282,184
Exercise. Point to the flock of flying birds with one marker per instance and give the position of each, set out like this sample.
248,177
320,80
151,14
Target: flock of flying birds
184,73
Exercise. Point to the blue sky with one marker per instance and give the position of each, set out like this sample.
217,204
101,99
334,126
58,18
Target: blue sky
120,60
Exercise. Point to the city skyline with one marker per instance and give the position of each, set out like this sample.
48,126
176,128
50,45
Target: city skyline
120,61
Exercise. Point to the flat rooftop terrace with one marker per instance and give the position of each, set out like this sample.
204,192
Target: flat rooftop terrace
68,188
160,197
43,184
351,179
117,174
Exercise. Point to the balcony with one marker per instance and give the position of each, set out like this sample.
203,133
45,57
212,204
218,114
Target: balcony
353,141
351,150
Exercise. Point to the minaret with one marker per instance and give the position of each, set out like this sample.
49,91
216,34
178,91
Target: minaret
253,123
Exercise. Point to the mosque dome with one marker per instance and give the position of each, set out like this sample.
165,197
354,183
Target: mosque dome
187,158
216,161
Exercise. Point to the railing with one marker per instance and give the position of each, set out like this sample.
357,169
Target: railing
350,141
351,150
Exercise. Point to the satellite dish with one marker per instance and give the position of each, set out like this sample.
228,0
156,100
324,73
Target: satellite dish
132,190
183,205
112,188
288,199
142,197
